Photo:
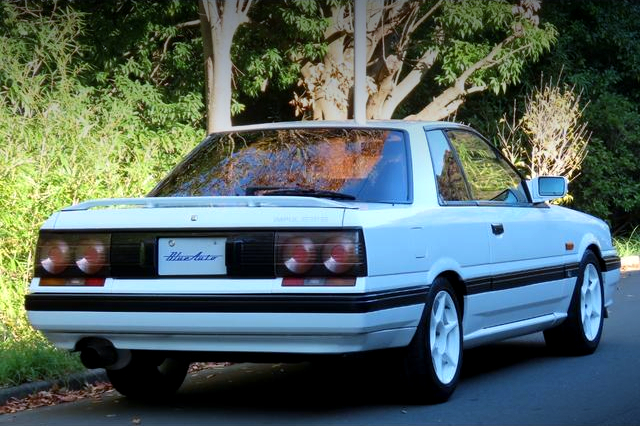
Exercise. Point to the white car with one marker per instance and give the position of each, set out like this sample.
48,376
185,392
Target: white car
313,238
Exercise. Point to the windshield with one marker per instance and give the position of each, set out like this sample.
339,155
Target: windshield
361,164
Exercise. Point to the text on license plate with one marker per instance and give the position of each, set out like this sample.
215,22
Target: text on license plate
191,256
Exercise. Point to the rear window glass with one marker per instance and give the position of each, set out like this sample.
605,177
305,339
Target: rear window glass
366,164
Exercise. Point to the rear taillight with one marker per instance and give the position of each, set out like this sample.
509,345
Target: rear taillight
339,254
299,254
320,254
54,256
73,255
92,254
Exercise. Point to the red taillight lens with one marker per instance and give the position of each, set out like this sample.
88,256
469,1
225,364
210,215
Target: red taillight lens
299,254
55,256
73,255
339,254
320,253
91,255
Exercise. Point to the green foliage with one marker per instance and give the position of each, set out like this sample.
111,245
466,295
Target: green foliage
143,55
470,29
628,246
65,142
271,50
465,32
599,53
607,187
28,361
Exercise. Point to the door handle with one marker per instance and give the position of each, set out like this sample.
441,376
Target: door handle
497,228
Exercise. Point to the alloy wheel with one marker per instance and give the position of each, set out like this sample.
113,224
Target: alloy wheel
444,337
591,302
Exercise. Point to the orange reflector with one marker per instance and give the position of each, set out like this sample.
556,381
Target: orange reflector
318,282
90,282
568,246
52,281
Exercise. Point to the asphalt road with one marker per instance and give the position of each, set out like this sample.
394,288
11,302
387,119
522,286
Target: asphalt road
514,382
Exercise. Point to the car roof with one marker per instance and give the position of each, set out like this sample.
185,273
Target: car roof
313,124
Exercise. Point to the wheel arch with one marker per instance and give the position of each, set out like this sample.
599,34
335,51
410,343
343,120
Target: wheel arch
450,269
591,243
458,285
595,249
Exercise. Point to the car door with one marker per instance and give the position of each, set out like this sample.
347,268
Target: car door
456,234
526,244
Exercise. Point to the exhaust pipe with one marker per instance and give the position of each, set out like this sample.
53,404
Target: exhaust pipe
97,352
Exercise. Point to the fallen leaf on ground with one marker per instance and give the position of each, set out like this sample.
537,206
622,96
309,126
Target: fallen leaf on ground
54,396
57,395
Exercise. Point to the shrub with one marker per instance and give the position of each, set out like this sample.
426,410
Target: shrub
62,142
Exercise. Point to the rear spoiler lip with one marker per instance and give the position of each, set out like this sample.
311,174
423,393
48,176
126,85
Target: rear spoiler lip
218,201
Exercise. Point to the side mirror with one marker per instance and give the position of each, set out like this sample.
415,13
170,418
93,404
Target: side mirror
547,188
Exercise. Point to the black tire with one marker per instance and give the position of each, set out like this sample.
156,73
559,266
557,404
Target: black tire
578,334
149,376
428,383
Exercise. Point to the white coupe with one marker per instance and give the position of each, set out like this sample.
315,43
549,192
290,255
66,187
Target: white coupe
314,238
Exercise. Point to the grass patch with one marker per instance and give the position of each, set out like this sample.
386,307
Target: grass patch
33,360
628,246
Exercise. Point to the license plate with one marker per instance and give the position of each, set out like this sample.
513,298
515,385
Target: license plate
191,256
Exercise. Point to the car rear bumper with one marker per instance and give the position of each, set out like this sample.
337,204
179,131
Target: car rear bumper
292,323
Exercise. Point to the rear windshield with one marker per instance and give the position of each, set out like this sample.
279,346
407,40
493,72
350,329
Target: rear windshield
364,164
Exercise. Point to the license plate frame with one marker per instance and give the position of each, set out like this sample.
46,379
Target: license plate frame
191,256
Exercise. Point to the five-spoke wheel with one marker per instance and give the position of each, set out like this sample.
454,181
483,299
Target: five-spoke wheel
580,333
434,357
444,336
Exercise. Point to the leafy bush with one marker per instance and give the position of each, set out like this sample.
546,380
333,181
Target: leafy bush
607,187
62,142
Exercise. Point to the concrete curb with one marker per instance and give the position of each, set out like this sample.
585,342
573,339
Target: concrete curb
74,382
630,263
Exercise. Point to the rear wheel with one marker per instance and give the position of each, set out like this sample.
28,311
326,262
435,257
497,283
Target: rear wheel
580,333
434,357
149,376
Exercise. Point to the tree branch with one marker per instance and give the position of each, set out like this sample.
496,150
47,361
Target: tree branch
194,23
425,17
485,62
475,89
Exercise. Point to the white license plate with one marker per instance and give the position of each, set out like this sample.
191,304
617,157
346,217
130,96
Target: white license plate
191,256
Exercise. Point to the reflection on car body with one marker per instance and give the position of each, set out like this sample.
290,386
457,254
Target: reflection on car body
323,238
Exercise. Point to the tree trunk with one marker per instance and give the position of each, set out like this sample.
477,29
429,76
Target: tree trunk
219,21
207,44
219,115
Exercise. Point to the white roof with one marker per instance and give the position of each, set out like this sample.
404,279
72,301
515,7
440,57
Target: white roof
310,124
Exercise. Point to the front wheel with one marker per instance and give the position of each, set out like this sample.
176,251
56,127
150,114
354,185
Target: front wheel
434,357
580,333
149,376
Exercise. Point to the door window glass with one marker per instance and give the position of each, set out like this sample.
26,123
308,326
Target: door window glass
449,178
489,176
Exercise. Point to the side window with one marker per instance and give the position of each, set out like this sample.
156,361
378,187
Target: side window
490,177
451,183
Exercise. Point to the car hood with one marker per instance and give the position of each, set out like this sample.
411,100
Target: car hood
201,212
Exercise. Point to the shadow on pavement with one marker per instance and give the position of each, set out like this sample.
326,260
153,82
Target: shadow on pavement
330,385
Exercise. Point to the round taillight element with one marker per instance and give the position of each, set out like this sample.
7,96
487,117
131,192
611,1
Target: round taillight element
299,254
339,254
55,256
91,256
